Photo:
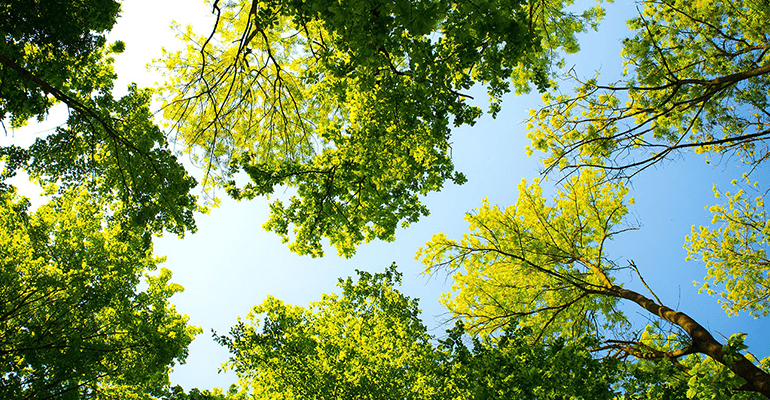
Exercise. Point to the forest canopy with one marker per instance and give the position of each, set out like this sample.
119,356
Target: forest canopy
82,314
349,109
351,103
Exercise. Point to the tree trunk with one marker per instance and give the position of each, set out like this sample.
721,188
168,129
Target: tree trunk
703,342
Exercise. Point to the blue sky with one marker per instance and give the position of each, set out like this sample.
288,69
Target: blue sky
231,264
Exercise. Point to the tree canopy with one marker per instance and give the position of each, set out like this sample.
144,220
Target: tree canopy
56,52
546,267
369,343
82,316
73,324
351,103
695,77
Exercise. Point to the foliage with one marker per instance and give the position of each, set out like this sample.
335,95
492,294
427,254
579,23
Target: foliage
735,253
366,343
696,77
56,52
539,264
511,366
178,393
545,267
351,102
645,379
369,343
73,324
58,41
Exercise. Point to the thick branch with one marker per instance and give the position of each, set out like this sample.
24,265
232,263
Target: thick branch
703,342
718,81
641,350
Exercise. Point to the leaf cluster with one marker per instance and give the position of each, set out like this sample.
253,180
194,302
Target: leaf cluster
55,52
735,251
351,102
696,77
73,324
366,343
542,265
59,42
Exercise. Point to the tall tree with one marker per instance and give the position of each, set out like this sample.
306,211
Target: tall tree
351,102
544,265
365,343
696,78
368,343
73,323
54,51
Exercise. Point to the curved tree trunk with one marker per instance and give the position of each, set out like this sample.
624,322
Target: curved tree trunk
703,342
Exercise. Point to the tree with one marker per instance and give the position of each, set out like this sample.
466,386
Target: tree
73,324
54,51
366,343
696,78
350,103
369,343
545,266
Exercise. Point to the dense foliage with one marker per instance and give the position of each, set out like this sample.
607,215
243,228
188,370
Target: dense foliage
73,324
55,52
350,105
351,102
369,343
365,343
